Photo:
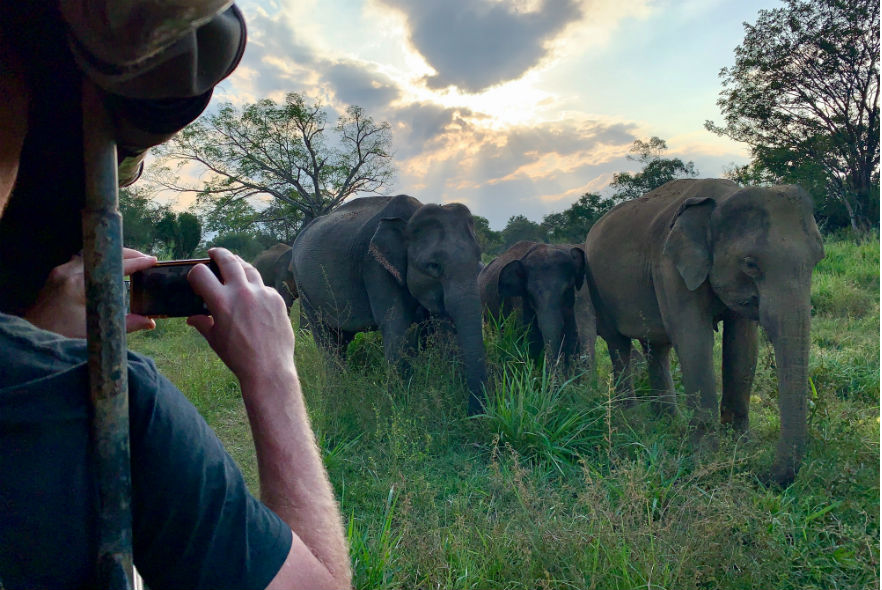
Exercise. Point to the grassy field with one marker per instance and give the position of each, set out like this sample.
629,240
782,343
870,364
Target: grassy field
558,488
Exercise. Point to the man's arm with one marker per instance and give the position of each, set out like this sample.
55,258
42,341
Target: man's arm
251,332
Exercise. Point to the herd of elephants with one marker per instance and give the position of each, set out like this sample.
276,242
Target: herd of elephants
663,269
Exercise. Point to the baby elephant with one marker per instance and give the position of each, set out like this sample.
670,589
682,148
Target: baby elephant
541,280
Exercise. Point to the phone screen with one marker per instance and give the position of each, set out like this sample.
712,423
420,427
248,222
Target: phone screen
163,291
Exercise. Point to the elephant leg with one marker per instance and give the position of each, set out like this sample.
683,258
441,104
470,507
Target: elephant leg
694,342
739,366
535,345
658,364
620,354
330,339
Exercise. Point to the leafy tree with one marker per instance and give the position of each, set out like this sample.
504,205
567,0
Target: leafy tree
140,216
180,233
244,244
281,151
490,241
656,170
520,228
804,94
572,225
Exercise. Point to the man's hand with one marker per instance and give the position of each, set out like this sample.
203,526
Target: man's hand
248,328
251,332
61,304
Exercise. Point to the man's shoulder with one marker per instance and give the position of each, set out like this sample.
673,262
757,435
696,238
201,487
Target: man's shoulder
28,353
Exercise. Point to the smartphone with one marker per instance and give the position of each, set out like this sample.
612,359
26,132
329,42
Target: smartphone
163,291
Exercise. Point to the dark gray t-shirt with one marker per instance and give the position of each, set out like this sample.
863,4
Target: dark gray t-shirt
195,525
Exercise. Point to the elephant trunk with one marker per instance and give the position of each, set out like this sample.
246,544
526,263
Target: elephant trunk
788,327
463,305
553,330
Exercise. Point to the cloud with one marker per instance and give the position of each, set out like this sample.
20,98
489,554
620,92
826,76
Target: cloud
356,84
533,169
476,44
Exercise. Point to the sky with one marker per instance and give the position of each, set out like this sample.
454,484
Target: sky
508,106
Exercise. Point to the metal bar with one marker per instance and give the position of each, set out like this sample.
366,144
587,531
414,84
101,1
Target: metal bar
106,337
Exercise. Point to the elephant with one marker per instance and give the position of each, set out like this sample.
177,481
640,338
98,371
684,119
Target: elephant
540,280
389,262
274,266
667,267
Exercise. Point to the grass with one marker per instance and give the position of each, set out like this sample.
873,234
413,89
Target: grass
556,487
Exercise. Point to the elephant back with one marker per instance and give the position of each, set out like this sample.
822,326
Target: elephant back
328,255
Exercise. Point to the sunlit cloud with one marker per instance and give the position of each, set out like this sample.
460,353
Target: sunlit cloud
490,102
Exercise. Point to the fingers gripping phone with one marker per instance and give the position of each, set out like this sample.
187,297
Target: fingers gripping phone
163,291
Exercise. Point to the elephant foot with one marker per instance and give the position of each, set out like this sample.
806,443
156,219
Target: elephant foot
665,407
780,476
704,436
476,405
739,423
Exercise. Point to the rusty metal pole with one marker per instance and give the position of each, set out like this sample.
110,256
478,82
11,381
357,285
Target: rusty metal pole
106,337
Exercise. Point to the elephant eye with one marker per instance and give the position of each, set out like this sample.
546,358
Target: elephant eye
433,269
751,267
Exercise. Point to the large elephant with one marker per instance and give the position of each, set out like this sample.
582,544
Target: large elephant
387,263
274,266
539,280
665,268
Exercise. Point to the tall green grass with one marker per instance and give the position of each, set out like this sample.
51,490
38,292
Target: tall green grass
557,487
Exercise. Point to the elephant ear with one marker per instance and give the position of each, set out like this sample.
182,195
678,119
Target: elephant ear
512,280
688,244
578,256
389,247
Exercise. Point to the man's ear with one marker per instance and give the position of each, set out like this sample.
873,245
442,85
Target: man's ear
389,247
688,243
578,255
512,280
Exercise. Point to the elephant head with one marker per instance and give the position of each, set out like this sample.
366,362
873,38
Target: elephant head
546,279
435,255
274,266
757,249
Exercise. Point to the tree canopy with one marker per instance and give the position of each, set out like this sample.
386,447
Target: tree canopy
281,151
656,170
804,94
571,225
155,229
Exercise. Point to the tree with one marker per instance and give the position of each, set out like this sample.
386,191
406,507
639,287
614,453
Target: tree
180,233
804,95
656,170
489,241
139,218
281,151
520,228
572,225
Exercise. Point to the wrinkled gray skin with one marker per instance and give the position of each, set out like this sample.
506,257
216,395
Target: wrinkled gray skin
541,281
666,267
386,263
274,266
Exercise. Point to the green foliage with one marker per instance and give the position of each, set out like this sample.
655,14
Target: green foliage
281,151
373,553
140,216
804,94
436,500
520,228
656,170
180,232
245,244
489,241
156,229
571,225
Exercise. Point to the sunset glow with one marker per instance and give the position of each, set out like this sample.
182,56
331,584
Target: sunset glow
511,106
